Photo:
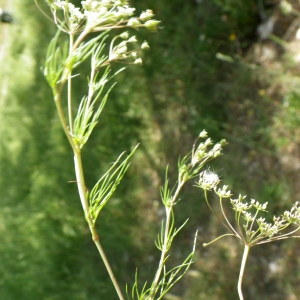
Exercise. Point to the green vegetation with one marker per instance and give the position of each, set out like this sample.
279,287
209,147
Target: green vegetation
206,68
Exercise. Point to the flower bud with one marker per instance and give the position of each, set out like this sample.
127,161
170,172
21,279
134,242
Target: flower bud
145,45
203,134
217,153
132,39
146,15
217,147
124,35
223,142
138,61
133,22
152,25
208,142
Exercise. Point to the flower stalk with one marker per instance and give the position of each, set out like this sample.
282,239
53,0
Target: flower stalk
242,270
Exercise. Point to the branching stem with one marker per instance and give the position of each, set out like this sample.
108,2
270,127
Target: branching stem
81,183
166,241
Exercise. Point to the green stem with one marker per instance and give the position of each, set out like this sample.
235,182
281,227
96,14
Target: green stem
165,247
68,129
225,217
81,182
243,264
211,209
105,261
62,118
216,239
71,42
82,192
81,37
85,205
238,218
253,220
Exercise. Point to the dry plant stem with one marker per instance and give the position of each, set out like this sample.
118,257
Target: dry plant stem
165,247
243,264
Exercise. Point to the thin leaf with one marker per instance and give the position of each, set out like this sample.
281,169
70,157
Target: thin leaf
107,184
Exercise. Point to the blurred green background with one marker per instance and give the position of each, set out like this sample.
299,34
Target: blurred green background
207,69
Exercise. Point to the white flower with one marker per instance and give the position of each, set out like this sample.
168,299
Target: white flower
145,45
138,61
146,15
208,180
203,134
133,22
247,216
223,193
132,39
238,204
258,205
125,11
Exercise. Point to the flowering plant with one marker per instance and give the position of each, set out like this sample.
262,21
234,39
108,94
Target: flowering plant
250,227
63,58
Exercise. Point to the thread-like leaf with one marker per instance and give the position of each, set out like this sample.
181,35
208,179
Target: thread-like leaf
107,184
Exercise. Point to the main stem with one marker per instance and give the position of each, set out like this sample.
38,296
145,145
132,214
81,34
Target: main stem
85,205
96,240
243,264
83,193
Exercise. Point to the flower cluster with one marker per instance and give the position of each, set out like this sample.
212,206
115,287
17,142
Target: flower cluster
202,151
121,51
264,231
100,15
223,192
238,205
293,216
190,165
268,229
